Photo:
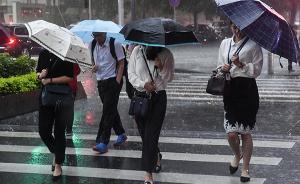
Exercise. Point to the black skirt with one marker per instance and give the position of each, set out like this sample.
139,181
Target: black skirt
241,103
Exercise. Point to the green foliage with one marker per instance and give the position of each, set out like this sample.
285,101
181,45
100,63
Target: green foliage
14,67
19,84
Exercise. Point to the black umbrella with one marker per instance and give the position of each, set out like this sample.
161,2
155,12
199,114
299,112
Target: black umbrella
157,32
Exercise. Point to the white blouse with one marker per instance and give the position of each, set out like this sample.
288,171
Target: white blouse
250,55
138,73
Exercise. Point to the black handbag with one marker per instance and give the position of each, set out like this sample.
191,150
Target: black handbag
56,94
219,81
141,101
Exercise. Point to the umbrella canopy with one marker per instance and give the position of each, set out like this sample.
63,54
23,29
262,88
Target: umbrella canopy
157,32
59,41
263,25
85,28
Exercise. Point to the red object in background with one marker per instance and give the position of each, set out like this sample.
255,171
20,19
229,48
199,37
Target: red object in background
12,41
73,83
89,118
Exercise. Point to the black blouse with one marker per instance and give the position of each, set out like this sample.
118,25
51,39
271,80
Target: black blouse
56,67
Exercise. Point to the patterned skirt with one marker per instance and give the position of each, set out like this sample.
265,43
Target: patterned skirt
241,103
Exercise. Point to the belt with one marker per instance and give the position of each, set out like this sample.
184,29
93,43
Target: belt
106,80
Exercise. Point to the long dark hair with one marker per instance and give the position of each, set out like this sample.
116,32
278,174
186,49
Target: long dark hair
152,52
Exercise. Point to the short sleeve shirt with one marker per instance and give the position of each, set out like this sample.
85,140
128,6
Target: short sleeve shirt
105,61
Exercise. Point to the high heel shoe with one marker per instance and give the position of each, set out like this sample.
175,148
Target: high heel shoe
245,176
233,169
55,178
157,168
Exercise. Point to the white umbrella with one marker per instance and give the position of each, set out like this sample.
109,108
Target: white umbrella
59,41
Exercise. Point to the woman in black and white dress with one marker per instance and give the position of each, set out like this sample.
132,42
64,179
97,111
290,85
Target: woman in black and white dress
241,103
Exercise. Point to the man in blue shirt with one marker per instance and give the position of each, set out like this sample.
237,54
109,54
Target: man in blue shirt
109,72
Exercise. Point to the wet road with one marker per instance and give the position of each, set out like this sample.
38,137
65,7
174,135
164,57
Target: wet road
193,141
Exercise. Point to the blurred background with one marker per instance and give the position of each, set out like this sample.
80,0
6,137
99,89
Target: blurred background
202,16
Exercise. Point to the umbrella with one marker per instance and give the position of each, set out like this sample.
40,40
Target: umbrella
59,41
263,25
157,32
85,28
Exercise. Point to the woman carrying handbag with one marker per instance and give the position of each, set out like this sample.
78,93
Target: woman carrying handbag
149,71
54,108
241,102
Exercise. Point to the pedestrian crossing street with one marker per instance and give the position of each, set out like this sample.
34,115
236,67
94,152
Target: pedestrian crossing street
191,87
185,160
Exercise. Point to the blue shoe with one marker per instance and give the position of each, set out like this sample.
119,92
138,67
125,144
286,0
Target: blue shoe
101,148
120,140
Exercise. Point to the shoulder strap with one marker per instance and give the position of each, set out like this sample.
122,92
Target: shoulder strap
112,48
237,50
93,48
147,64
241,46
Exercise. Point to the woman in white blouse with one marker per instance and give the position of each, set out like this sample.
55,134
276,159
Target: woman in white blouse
161,64
241,102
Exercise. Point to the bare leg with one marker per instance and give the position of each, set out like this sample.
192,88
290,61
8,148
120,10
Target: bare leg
247,147
148,177
234,142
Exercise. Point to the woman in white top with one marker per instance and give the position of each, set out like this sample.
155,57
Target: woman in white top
241,102
161,64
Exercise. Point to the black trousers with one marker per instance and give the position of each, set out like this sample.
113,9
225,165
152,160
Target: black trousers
149,129
69,125
57,117
109,91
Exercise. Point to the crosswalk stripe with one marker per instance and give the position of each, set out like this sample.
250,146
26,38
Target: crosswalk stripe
262,95
170,140
125,174
191,87
215,99
137,154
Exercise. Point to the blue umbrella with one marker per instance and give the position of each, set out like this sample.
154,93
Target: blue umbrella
85,28
263,25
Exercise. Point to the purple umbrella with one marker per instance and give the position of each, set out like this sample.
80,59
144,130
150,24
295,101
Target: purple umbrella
263,25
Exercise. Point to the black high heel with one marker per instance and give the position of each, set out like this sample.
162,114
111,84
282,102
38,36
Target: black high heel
56,178
245,178
157,168
232,169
